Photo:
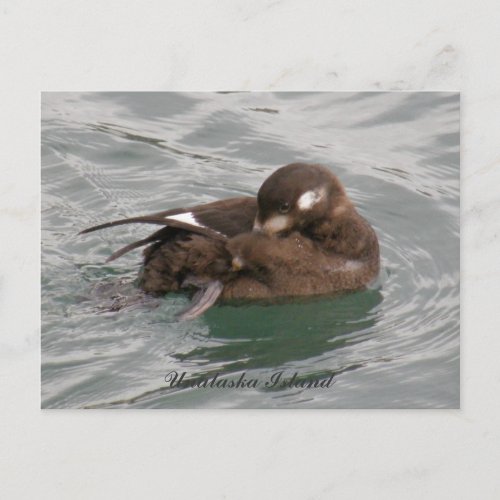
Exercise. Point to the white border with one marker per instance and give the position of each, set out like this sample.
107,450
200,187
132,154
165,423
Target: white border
238,45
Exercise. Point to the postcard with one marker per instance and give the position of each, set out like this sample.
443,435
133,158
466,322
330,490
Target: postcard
250,250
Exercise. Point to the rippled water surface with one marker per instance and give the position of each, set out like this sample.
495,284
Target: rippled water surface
112,155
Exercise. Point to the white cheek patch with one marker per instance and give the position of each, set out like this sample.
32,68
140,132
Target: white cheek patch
276,224
310,198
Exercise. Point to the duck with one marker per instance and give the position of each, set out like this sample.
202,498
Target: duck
300,236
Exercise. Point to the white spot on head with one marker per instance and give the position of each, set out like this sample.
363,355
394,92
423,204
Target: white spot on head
310,198
276,224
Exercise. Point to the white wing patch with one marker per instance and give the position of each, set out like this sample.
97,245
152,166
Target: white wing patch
310,198
186,217
189,218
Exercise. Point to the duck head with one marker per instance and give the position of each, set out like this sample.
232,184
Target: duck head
296,196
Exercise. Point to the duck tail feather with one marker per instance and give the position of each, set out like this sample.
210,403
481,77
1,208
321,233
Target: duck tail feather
203,299
130,247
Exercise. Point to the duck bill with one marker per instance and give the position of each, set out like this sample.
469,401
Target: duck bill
257,226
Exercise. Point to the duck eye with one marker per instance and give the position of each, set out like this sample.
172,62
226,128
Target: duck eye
284,207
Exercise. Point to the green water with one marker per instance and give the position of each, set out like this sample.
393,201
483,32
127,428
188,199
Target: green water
112,155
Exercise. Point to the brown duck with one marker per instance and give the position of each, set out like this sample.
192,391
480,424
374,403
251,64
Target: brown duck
301,236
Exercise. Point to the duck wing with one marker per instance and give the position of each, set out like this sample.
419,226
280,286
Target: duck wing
217,220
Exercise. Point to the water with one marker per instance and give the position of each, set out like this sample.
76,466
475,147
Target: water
112,155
